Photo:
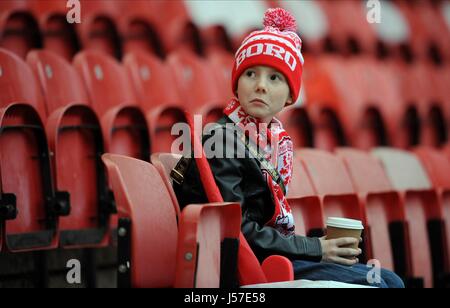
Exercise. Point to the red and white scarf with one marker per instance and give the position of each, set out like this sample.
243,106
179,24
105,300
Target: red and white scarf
280,155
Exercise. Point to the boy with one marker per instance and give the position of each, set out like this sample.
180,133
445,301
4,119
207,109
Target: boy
266,78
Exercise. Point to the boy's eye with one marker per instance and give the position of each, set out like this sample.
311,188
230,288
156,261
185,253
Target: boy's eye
275,77
250,73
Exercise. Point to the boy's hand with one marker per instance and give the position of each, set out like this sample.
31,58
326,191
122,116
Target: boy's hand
334,251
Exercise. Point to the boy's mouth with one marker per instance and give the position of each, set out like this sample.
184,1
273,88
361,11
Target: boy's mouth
258,101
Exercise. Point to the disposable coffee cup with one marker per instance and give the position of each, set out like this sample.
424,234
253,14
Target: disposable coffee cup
338,227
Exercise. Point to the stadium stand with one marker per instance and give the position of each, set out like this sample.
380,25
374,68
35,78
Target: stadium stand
365,85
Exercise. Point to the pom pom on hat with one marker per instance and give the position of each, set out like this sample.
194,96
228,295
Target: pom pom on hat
280,19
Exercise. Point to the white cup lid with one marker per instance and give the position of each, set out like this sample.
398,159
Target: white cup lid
339,222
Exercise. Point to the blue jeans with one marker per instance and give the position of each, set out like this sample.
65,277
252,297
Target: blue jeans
356,274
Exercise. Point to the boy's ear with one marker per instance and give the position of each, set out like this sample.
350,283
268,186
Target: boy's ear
288,101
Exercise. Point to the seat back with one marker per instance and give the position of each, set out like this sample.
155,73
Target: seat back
298,125
154,231
139,28
58,35
222,63
383,207
164,163
366,172
98,29
60,82
191,71
423,210
18,84
152,80
107,84
161,254
438,169
123,122
19,30
324,168
305,205
403,169
153,84
446,150
337,196
26,179
436,165
77,143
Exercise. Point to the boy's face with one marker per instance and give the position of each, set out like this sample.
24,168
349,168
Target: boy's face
263,92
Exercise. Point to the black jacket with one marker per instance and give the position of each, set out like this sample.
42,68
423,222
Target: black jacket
241,180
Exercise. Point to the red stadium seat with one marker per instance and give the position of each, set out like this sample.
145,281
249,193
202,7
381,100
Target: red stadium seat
98,29
323,101
32,205
164,163
437,167
173,20
421,91
338,197
139,28
297,123
333,26
58,35
356,116
19,30
75,139
349,30
446,150
125,129
305,204
222,64
313,25
428,29
153,84
423,208
384,211
377,122
216,40
153,250
394,33
274,268
194,81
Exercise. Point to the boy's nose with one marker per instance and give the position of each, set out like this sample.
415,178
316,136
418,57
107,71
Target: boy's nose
261,85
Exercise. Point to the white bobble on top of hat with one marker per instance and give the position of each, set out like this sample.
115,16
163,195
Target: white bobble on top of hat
280,19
